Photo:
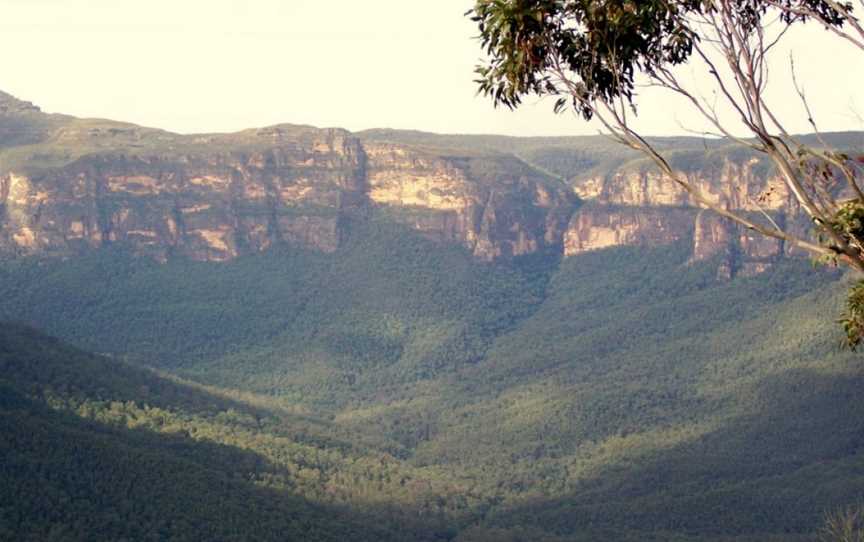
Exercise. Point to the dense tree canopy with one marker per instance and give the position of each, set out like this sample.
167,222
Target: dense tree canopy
424,395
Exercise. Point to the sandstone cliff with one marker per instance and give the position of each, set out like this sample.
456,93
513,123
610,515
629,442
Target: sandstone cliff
68,185
215,197
634,205
496,205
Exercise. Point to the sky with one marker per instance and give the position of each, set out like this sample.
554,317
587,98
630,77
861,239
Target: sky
224,65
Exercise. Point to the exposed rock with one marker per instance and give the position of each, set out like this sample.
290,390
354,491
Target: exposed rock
203,206
743,185
596,226
215,205
497,206
712,236
12,105
217,196
641,207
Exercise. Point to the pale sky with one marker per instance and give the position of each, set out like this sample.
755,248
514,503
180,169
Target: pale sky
225,65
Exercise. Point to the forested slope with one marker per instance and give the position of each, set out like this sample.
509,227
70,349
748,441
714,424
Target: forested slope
620,394
95,449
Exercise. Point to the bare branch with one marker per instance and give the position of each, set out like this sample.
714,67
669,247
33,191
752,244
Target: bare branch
741,50
855,37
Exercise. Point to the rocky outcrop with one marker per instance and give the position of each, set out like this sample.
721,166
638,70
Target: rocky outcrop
637,206
597,226
12,105
83,184
740,183
204,206
222,196
496,206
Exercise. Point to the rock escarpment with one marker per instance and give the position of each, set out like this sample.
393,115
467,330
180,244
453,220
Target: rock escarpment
497,206
637,206
68,185
216,197
208,206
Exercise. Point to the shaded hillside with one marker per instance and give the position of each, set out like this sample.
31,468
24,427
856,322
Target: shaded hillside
95,449
637,400
534,397
389,307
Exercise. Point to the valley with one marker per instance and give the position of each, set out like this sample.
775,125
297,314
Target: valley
396,335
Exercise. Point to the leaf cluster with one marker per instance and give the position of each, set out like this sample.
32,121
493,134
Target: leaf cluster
604,43
853,319
587,51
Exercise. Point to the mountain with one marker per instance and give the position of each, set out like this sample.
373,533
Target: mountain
213,197
627,203
68,184
432,337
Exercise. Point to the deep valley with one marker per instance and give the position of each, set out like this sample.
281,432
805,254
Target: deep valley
293,333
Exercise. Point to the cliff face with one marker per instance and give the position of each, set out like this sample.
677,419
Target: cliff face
600,226
639,207
216,197
495,206
205,206
741,184
69,184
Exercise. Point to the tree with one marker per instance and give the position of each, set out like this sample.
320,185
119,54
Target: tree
592,56
844,525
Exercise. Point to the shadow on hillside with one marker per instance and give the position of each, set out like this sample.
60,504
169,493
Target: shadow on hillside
64,477
773,471
127,454
41,362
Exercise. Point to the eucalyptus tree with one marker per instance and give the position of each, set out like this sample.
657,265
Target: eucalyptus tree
592,56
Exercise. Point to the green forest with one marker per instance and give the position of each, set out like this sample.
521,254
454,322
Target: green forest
293,333
397,389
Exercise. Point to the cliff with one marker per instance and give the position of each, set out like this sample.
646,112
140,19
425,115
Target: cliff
68,185
634,205
495,205
214,197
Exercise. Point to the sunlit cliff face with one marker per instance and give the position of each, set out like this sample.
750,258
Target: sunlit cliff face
643,208
215,197
217,205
